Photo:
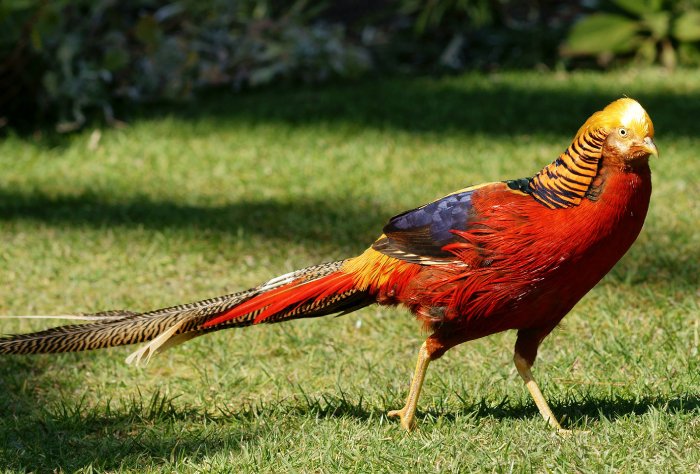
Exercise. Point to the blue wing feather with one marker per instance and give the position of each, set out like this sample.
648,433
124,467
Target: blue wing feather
440,217
420,234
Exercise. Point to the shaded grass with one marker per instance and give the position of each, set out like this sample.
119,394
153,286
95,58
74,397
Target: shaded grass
211,197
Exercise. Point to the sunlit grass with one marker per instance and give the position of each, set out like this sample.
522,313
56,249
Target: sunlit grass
201,199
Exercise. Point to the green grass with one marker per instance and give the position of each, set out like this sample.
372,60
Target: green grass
215,196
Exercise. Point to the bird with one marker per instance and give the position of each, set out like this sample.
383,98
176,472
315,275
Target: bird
507,255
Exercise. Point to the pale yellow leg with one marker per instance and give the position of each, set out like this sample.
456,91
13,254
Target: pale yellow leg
523,367
408,412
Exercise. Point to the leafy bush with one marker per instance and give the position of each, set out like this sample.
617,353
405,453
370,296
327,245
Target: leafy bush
648,31
66,58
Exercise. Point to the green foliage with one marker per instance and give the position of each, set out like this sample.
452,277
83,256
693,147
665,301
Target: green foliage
88,55
664,31
431,14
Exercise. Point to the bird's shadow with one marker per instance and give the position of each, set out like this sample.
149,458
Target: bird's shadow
307,221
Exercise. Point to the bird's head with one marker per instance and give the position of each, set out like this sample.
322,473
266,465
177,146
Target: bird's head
629,132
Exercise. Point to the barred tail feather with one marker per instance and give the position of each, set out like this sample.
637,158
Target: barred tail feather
314,291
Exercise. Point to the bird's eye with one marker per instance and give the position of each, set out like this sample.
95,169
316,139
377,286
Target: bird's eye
623,132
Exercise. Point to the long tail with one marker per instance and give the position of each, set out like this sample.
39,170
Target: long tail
311,292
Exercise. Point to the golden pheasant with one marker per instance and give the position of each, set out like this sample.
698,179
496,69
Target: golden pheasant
514,254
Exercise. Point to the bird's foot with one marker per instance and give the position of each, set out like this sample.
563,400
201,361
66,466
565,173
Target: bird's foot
407,422
564,433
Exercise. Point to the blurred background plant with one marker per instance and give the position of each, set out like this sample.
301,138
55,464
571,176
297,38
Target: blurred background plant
643,31
487,34
65,61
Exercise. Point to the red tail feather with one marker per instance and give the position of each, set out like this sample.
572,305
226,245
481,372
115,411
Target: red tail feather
289,297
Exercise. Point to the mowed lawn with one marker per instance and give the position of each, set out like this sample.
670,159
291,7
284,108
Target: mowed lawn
211,197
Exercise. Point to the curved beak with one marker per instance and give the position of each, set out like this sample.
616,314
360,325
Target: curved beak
650,147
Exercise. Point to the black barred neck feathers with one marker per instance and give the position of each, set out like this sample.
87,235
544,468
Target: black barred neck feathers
565,182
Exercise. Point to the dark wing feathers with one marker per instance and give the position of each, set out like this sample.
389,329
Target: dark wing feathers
419,235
